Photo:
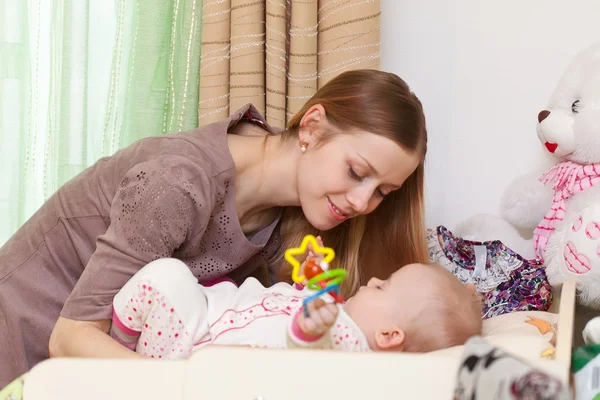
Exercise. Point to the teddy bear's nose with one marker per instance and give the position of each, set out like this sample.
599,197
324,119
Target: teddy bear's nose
543,115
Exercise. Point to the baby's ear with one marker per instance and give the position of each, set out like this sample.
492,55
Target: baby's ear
392,339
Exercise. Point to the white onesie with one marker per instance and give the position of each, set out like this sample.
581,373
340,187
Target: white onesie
163,312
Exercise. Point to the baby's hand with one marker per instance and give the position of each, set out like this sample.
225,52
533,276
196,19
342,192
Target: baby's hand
321,317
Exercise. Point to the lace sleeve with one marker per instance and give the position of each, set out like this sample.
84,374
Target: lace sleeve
158,206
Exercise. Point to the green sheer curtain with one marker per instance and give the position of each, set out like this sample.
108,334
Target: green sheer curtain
80,79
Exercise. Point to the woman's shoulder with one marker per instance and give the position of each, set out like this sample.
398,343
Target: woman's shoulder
195,160
199,152
204,147
207,145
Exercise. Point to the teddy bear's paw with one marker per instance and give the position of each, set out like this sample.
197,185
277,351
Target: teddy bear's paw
487,227
525,201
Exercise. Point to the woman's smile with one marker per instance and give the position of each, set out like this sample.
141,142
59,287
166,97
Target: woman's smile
335,212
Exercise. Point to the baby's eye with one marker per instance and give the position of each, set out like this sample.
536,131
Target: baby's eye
575,107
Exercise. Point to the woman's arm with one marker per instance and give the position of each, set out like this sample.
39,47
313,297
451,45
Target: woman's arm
159,205
72,338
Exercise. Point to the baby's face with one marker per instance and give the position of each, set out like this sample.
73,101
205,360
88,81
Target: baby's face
380,303
374,304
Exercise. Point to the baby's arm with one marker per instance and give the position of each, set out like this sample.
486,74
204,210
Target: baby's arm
312,331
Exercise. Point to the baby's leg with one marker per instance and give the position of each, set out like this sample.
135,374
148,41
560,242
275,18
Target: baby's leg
161,311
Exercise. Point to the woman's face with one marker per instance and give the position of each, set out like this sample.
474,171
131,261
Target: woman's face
348,174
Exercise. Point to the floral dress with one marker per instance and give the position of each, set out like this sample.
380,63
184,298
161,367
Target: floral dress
506,281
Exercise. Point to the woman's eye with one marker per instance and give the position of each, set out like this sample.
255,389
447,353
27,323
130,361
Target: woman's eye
575,107
353,174
380,193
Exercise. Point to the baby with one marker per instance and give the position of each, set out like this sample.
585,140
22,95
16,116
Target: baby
162,312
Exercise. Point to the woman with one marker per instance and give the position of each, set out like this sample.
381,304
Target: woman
216,197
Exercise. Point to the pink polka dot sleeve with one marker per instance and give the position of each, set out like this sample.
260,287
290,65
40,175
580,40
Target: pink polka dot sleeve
149,324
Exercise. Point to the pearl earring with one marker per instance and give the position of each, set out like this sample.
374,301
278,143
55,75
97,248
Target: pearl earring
303,146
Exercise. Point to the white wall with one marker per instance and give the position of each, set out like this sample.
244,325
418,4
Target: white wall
483,70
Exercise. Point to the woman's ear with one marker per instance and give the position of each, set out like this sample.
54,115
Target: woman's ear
313,120
392,339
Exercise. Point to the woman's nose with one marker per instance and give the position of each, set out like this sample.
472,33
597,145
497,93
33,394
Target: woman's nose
359,200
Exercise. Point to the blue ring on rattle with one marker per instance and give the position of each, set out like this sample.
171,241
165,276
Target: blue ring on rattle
330,288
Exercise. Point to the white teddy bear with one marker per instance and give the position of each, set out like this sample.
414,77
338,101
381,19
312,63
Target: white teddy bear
562,205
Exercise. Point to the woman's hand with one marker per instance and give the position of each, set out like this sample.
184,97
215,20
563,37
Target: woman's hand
321,317
72,338
312,255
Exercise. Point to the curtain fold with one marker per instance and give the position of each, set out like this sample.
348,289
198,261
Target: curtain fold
277,53
303,69
214,67
276,56
247,67
156,79
348,36
80,79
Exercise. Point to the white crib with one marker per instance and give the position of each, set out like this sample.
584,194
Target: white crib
242,373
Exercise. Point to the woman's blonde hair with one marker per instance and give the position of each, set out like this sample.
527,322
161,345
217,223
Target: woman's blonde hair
393,235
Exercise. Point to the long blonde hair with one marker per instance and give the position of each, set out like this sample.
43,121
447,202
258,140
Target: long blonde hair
393,235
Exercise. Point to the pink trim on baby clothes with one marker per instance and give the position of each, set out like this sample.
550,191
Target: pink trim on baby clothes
271,305
219,280
121,326
299,334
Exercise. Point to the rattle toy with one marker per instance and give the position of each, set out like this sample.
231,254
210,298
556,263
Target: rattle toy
317,277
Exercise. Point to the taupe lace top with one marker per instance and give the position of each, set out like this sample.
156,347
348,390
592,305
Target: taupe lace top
176,199
166,196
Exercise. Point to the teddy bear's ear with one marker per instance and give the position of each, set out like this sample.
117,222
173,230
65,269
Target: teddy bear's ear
567,88
588,55
592,51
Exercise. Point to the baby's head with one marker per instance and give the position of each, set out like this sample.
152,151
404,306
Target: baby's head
420,308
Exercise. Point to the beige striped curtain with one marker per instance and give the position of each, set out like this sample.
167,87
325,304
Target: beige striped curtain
275,54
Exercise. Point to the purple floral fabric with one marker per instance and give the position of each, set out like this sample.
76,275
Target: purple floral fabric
508,283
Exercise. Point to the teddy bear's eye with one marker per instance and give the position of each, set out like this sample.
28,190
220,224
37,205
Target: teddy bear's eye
575,106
